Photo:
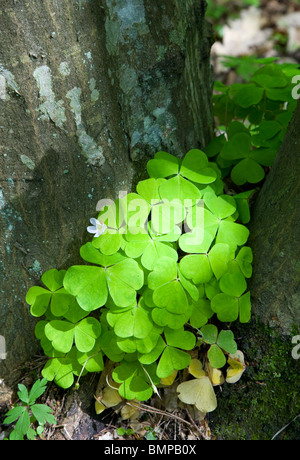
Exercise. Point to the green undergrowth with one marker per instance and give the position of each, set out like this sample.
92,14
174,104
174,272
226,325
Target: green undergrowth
166,273
163,262
252,118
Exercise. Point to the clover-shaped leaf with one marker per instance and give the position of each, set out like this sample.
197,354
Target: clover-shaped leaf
270,76
171,296
216,356
232,233
91,361
56,297
247,170
163,165
91,284
196,267
230,303
219,256
134,322
195,167
180,189
201,267
198,391
91,254
88,285
237,147
201,312
248,95
198,240
149,247
180,338
233,284
53,279
223,341
62,334
211,225
221,206
123,280
61,369
149,190
173,358
136,380
168,290
163,317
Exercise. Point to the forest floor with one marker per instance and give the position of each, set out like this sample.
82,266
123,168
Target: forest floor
271,30
242,33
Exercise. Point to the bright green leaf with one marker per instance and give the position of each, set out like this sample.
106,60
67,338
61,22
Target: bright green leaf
172,359
195,167
233,284
226,341
221,206
88,285
163,165
216,357
247,170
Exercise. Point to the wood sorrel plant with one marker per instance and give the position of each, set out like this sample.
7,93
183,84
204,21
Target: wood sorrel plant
163,262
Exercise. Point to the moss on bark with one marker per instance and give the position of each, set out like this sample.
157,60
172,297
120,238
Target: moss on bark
266,398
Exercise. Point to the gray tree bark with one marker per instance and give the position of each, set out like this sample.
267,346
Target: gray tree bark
274,230
89,90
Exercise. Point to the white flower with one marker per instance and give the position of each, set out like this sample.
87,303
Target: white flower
97,228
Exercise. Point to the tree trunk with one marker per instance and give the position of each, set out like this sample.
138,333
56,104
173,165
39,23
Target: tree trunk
88,91
275,285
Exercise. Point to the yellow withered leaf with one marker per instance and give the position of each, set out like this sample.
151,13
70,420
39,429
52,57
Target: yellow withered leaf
196,369
129,412
169,380
236,367
216,375
110,397
99,407
199,392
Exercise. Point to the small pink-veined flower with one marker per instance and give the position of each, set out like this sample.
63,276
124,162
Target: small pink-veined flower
97,227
